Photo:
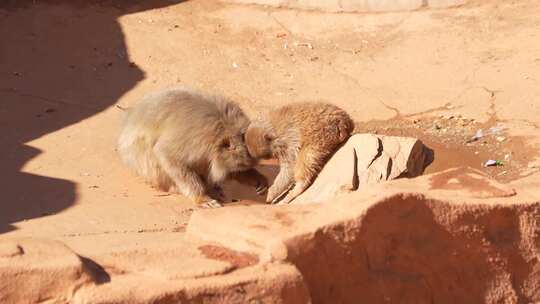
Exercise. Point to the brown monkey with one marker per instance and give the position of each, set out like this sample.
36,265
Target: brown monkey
301,136
183,141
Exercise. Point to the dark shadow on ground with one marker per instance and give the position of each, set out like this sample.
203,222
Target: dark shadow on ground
60,62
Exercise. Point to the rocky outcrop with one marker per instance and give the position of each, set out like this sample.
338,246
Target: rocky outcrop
451,237
38,271
364,160
267,283
33,271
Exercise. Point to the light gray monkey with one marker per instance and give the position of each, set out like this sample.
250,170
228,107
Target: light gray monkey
181,140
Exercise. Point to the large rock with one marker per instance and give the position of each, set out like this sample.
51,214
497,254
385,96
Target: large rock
367,159
265,284
45,271
451,237
356,5
34,271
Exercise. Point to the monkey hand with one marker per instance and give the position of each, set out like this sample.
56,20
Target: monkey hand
211,204
275,193
217,193
271,196
262,185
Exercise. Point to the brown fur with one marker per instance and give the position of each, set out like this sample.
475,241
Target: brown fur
183,141
301,136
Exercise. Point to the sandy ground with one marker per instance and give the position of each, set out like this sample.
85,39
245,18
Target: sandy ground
439,75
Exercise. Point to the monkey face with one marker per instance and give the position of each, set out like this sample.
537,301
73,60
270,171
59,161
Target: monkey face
258,142
233,154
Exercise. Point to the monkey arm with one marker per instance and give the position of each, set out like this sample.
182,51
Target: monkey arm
282,183
308,164
187,181
216,192
252,178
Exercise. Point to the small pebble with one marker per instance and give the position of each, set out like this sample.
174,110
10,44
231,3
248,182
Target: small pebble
492,162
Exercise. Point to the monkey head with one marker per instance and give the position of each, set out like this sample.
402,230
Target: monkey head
259,140
233,154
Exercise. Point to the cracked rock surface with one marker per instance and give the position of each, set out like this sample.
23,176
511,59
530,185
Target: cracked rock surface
367,159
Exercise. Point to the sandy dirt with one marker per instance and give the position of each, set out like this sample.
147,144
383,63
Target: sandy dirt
439,75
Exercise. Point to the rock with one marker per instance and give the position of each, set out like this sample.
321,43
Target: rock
33,270
44,271
455,236
264,284
367,159
168,260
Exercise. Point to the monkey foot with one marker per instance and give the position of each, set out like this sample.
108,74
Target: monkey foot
217,193
281,196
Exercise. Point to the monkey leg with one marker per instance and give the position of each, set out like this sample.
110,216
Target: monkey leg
283,183
252,178
308,165
187,181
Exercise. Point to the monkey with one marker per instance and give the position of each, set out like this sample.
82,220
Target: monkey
302,137
184,141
